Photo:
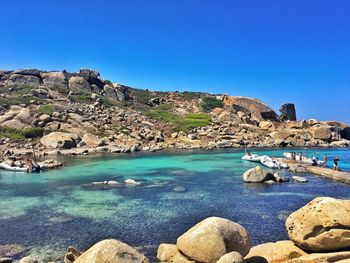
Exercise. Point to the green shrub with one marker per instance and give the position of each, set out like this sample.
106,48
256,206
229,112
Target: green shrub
13,134
82,97
178,123
190,121
24,88
210,103
33,132
142,96
47,109
189,95
18,100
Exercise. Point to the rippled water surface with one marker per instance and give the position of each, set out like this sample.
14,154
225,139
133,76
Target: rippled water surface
49,211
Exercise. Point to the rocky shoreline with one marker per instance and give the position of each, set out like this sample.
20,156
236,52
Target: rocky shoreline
57,112
318,232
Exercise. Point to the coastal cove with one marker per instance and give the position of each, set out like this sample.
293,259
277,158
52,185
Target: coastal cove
49,211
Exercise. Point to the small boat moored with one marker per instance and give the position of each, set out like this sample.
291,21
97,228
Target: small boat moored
273,163
16,168
251,157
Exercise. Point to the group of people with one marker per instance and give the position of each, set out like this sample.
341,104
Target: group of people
335,162
299,157
26,163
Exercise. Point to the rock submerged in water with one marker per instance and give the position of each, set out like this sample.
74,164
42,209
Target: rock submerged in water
321,225
257,175
111,251
212,238
299,179
112,183
131,182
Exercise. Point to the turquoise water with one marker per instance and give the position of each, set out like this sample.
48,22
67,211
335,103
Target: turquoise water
50,211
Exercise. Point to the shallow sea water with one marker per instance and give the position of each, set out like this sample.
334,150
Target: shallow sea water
50,211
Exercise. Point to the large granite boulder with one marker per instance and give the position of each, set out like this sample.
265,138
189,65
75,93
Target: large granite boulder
229,117
213,237
92,76
59,140
322,133
321,225
55,80
257,175
24,115
280,135
123,92
13,124
111,251
18,79
109,91
92,140
28,72
288,112
280,251
79,84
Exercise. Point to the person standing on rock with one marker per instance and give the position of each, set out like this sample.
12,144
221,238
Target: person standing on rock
336,161
325,161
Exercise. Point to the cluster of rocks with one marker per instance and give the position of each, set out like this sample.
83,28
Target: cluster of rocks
318,232
81,107
258,175
44,82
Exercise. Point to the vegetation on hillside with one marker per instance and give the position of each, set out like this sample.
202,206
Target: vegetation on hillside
210,103
47,109
178,123
142,96
15,134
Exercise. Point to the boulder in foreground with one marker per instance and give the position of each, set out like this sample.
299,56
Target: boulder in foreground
321,225
111,251
213,237
280,251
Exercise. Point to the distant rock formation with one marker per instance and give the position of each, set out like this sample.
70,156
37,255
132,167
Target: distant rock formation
288,112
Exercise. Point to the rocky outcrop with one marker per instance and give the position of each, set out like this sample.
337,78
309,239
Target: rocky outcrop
111,251
79,84
321,225
257,175
321,133
212,238
55,80
288,112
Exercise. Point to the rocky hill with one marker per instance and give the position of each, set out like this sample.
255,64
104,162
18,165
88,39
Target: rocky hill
75,113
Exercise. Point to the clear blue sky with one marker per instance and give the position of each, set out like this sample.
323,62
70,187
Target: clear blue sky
276,50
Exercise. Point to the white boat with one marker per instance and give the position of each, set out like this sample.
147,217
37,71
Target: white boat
302,159
8,167
273,163
251,157
268,161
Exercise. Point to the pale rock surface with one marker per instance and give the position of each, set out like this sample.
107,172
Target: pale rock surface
321,225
